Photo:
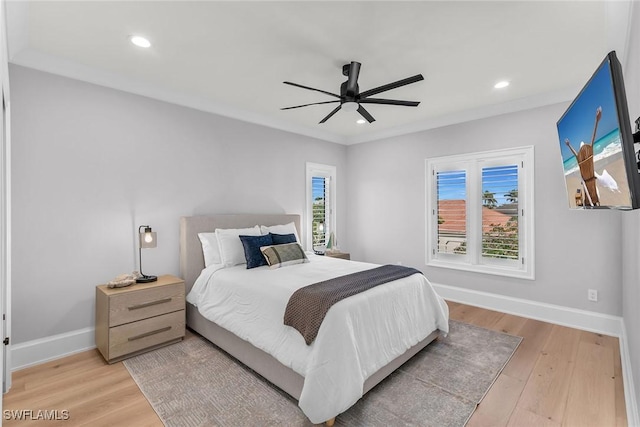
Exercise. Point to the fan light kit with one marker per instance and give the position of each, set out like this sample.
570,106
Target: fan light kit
350,106
351,99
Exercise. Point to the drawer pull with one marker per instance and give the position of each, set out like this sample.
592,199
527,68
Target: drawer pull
149,304
147,334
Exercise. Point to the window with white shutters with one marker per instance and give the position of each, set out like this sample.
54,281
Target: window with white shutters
319,187
320,218
477,207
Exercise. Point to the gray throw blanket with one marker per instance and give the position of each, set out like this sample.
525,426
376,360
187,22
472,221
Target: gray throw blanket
307,306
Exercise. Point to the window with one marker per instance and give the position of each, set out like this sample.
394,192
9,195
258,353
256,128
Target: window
479,212
319,209
320,219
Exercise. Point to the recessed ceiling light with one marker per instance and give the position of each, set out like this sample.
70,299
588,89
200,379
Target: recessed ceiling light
140,41
501,85
361,121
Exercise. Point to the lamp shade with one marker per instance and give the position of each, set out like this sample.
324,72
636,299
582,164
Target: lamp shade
148,238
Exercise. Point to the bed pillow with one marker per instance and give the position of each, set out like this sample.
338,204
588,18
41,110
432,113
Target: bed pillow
252,253
210,248
281,239
281,229
231,249
282,255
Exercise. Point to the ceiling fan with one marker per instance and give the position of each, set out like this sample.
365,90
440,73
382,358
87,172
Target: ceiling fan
351,98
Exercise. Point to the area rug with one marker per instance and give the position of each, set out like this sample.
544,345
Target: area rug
194,383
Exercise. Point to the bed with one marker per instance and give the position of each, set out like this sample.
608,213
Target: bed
326,388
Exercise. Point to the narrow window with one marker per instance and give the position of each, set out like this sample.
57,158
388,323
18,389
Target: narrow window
320,222
320,218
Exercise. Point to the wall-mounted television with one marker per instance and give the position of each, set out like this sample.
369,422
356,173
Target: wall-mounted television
599,161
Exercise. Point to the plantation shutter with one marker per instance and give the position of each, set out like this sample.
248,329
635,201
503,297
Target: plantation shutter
320,203
500,230
452,211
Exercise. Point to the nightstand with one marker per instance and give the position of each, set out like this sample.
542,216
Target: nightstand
337,254
139,318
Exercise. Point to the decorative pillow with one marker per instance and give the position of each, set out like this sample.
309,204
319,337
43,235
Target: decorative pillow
281,239
252,252
231,249
281,229
210,248
282,255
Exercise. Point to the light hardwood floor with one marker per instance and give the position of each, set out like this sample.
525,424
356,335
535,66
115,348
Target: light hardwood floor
558,377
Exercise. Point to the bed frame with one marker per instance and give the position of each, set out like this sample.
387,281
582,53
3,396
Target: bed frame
192,263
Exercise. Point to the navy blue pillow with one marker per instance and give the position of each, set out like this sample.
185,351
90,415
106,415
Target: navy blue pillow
252,252
281,239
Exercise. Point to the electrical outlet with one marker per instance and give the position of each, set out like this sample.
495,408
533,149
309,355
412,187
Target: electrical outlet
592,295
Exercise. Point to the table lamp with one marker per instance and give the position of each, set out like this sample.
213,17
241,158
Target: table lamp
147,239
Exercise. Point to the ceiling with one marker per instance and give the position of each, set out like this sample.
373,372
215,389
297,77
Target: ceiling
230,58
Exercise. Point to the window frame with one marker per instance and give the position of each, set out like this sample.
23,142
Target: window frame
472,260
326,171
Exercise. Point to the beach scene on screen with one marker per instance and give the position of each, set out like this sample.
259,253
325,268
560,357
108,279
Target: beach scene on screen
601,166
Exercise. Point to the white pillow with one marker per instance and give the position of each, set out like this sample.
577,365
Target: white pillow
210,248
281,229
231,249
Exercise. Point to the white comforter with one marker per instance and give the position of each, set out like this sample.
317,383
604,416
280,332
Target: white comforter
359,334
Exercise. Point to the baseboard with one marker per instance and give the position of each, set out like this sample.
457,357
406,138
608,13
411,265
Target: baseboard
633,418
580,319
42,350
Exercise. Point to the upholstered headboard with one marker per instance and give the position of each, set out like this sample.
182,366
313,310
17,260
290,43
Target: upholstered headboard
191,257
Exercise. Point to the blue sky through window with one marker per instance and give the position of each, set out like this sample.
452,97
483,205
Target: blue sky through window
317,187
452,185
499,180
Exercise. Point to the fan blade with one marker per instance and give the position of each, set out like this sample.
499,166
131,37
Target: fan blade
389,102
352,83
393,85
330,114
310,88
364,113
306,105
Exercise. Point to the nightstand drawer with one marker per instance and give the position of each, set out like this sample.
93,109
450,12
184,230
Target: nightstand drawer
136,305
146,333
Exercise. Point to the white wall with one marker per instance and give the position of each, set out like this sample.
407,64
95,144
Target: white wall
575,250
631,220
91,164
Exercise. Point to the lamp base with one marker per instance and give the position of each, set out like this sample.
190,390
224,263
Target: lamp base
146,279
